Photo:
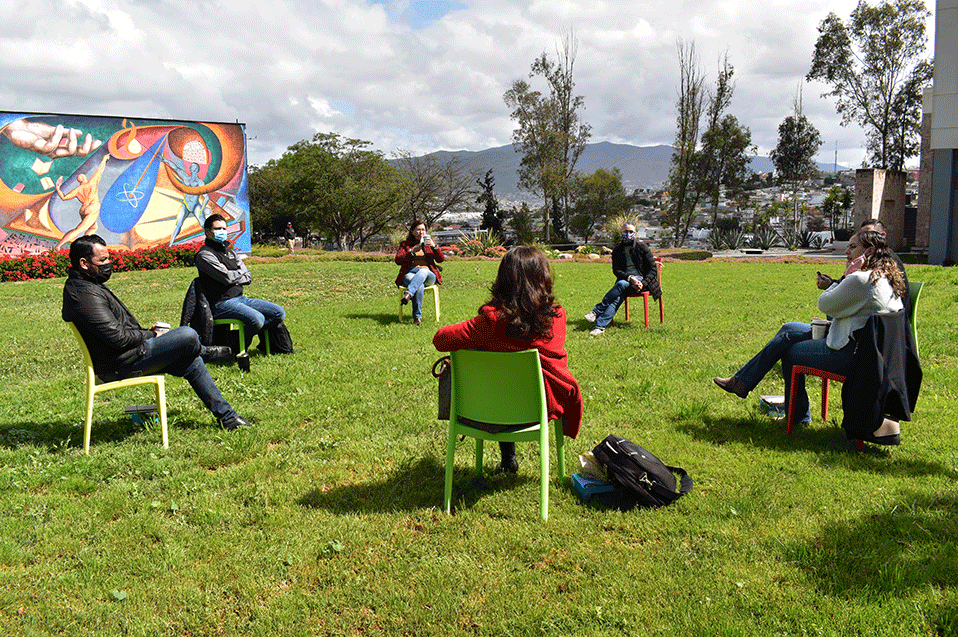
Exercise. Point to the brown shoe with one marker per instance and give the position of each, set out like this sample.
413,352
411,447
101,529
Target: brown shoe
732,385
405,298
418,321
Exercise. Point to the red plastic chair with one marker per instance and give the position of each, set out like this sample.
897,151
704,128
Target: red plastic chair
645,298
799,370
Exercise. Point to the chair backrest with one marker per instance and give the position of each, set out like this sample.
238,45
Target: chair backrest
503,388
914,291
87,359
658,265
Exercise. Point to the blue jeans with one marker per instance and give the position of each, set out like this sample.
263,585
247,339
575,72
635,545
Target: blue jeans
178,353
609,305
793,345
414,282
256,314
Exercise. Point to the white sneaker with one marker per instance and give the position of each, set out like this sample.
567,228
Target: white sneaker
597,331
591,317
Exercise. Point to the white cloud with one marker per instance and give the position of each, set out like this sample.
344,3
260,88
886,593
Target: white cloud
421,76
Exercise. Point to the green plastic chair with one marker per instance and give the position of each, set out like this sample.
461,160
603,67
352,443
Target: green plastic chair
501,389
94,386
236,324
914,290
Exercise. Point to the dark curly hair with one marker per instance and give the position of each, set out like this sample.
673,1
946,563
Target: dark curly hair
880,261
522,292
413,226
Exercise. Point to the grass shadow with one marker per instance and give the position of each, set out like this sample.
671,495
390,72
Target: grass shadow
414,485
382,319
60,436
905,546
824,439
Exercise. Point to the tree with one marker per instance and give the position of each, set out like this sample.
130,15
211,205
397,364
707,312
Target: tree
874,66
492,217
683,188
793,157
550,134
339,188
596,197
267,209
436,186
521,223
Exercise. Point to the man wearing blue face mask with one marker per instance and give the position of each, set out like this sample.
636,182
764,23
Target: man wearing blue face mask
635,272
223,275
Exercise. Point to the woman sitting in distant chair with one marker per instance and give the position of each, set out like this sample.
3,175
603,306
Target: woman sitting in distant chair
417,258
872,284
522,314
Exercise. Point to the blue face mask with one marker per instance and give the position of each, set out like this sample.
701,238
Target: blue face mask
220,236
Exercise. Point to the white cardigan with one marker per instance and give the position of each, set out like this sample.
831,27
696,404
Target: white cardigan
852,301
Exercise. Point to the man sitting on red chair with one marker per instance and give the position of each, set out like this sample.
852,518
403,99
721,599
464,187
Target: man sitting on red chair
635,272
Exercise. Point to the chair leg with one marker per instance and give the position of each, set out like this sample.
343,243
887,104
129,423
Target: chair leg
89,420
645,302
791,403
661,311
435,293
825,399
544,472
626,309
450,464
161,407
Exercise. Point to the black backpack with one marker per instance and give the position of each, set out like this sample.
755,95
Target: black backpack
643,479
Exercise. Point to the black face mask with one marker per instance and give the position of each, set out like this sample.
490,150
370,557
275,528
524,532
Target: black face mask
103,272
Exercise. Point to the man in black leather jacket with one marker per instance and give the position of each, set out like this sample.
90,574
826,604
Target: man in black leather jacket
635,271
120,347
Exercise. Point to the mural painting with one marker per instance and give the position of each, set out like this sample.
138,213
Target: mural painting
136,183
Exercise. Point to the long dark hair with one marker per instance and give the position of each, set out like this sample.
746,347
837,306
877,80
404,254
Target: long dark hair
522,292
880,262
412,226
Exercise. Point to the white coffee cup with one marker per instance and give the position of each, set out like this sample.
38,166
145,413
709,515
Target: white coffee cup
819,328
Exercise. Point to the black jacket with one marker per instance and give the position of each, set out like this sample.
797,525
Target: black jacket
884,376
644,263
108,328
197,312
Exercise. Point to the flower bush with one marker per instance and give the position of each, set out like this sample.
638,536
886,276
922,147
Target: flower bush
48,265
475,244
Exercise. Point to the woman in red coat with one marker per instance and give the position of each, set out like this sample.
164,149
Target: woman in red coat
417,258
523,314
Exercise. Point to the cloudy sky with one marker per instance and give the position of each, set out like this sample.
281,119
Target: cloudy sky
405,74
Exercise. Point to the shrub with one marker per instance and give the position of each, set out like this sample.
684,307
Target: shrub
471,245
764,238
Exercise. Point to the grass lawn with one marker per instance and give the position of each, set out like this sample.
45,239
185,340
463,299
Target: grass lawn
325,519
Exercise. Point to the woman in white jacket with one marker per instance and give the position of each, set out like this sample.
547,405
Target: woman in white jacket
872,284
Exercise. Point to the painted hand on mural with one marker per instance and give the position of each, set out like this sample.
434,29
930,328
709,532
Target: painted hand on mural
52,141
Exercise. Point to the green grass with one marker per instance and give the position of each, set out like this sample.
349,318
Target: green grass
325,519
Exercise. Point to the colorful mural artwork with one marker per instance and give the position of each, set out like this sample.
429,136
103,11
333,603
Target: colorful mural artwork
136,183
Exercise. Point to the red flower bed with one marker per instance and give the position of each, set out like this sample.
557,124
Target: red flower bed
55,263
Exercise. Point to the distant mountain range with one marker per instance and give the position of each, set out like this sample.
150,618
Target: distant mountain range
641,166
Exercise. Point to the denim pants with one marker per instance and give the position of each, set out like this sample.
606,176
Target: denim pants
414,282
256,314
793,345
609,305
178,353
